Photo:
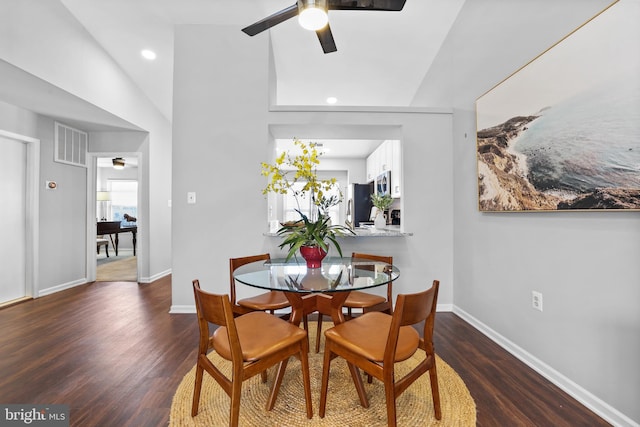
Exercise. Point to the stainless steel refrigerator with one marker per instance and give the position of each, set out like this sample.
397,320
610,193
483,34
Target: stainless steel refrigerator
359,207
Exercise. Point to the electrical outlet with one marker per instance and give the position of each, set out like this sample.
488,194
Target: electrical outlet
536,300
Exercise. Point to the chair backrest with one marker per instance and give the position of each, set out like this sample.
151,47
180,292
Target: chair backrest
412,309
234,264
380,258
216,309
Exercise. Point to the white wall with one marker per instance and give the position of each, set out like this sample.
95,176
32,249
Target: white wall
44,40
222,132
62,248
17,120
219,123
587,339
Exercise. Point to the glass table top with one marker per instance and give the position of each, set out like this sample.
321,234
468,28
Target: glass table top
335,275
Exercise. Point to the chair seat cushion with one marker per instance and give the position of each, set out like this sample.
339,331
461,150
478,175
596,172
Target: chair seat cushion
357,299
261,334
273,300
367,335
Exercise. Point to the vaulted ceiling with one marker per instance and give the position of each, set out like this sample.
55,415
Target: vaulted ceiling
381,60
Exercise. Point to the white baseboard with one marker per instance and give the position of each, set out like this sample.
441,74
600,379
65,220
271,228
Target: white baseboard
154,277
182,309
83,281
61,287
604,410
444,307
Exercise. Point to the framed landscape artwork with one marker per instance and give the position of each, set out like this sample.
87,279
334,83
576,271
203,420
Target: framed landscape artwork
563,132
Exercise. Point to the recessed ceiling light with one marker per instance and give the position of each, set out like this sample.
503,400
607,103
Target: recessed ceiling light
332,100
148,54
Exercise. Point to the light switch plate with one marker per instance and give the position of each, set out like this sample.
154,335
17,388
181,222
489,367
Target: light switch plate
191,197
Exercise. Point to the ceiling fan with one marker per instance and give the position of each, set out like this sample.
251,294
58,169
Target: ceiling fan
312,15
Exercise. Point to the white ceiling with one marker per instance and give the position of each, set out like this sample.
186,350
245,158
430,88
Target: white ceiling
107,162
381,60
334,148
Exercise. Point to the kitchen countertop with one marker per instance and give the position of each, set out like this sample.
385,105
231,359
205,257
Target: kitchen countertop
388,231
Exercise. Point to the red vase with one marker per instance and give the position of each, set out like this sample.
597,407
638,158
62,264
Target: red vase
313,255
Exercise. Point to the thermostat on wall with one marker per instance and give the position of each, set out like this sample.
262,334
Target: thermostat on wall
51,185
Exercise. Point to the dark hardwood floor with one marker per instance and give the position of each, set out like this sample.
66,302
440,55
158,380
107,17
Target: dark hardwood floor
111,351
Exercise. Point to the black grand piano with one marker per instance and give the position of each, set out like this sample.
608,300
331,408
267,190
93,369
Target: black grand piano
115,228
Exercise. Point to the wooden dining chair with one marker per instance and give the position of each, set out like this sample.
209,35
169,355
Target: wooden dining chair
268,301
375,342
252,342
363,300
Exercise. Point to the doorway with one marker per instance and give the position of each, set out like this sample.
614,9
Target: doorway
117,217
18,186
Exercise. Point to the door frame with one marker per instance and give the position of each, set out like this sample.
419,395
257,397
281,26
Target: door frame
92,182
32,210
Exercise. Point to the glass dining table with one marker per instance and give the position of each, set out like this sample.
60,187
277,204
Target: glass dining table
322,290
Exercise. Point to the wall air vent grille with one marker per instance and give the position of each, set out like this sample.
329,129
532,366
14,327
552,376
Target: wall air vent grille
70,145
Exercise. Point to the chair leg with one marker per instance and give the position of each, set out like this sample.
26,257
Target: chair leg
324,384
234,415
435,392
196,391
357,381
318,332
263,376
306,378
390,395
276,384
305,325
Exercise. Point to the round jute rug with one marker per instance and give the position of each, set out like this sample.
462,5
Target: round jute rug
414,406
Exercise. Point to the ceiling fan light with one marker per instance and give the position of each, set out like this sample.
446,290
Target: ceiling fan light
313,14
118,163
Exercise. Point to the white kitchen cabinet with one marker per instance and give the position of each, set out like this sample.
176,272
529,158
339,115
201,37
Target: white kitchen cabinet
387,157
376,162
372,167
396,169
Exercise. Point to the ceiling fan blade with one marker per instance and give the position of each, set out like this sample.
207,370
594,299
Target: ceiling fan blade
326,39
390,5
271,20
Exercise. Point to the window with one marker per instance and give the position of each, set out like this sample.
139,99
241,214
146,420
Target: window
290,205
124,200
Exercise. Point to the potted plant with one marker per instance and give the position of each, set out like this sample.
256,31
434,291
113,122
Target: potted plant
382,202
312,234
